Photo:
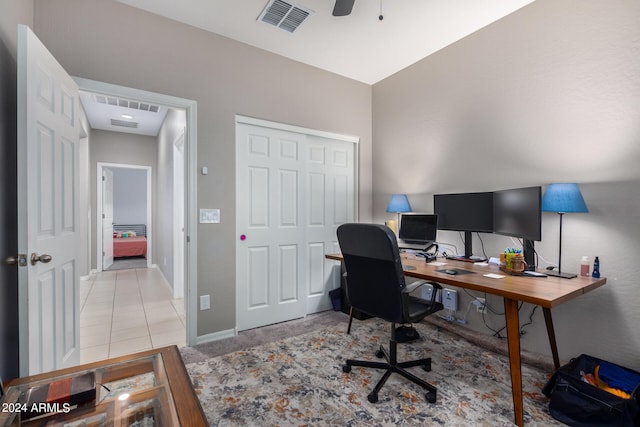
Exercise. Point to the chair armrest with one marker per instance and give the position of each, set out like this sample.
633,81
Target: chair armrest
415,285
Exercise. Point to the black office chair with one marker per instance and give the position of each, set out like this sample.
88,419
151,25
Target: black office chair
376,286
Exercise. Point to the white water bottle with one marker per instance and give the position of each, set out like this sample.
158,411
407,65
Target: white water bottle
584,266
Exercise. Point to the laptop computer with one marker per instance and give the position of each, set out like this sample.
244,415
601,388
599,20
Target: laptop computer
417,231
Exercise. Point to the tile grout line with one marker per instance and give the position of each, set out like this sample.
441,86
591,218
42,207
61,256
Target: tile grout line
146,319
113,306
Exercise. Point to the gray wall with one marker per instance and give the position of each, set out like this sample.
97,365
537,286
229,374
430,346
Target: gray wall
172,127
108,41
123,148
13,13
548,94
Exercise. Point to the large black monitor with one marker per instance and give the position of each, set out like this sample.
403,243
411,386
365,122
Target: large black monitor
466,212
418,228
517,212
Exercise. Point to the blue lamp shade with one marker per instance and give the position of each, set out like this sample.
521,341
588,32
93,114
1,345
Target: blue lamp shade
399,203
562,198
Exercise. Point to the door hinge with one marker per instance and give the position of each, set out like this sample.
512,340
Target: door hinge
103,217
103,253
188,239
104,178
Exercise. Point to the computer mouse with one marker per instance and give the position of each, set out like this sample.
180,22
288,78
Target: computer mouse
452,272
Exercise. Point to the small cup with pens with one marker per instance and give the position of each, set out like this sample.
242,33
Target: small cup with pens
512,261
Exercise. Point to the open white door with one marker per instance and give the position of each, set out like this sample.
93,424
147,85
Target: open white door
107,218
48,138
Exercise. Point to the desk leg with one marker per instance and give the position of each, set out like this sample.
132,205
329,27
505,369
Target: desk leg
513,337
552,336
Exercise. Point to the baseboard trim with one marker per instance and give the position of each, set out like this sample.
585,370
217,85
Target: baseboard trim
215,336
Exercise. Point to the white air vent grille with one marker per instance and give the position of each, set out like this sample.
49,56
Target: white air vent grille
124,124
121,102
284,15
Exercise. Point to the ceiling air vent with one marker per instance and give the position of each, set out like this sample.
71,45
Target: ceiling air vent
121,102
284,15
124,124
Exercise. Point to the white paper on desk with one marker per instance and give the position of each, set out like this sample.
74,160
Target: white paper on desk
437,263
483,264
494,276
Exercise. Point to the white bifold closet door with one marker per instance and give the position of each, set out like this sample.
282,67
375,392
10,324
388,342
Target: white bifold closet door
293,190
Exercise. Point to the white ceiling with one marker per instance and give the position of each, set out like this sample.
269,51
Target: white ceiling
359,46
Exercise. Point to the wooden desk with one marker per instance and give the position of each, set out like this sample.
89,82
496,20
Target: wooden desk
546,292
156,383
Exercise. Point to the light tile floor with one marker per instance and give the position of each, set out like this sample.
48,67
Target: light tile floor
126,311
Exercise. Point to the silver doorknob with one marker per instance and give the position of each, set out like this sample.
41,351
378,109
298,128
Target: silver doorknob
20,260
44,258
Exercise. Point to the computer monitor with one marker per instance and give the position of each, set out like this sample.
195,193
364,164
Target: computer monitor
517,212
418,228
466,212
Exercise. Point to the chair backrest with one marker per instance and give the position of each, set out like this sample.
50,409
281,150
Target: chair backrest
374,271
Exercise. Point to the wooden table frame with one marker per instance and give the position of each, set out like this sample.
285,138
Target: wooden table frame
547,292
186,402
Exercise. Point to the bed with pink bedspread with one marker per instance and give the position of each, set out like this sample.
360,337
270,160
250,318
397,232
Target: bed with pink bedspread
129,240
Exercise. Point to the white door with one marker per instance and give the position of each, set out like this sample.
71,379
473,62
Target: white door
330,199
48,137
293,190
270,268
107,218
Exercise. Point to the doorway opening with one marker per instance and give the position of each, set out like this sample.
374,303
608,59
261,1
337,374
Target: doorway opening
187,183
124,233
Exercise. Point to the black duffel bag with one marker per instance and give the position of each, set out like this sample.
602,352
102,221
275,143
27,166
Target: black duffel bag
578,403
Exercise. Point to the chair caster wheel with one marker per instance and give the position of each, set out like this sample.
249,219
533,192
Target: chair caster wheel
372,397
346,368
427,367
379,354
431,397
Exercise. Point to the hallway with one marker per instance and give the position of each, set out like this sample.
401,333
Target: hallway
127,311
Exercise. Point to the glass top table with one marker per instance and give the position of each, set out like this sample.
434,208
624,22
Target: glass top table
151,388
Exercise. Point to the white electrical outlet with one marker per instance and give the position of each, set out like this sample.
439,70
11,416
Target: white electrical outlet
205,302
427,291
481,305
450,299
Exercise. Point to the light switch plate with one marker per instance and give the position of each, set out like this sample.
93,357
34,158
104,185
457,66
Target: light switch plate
209,216
205,302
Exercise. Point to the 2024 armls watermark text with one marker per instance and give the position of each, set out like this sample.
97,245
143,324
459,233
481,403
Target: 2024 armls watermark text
36,408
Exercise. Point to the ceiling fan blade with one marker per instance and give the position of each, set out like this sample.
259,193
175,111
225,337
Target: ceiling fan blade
343,7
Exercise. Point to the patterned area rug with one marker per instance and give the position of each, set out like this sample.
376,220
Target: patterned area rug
299,381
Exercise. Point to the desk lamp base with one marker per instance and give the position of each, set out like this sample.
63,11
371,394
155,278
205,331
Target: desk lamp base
561,274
